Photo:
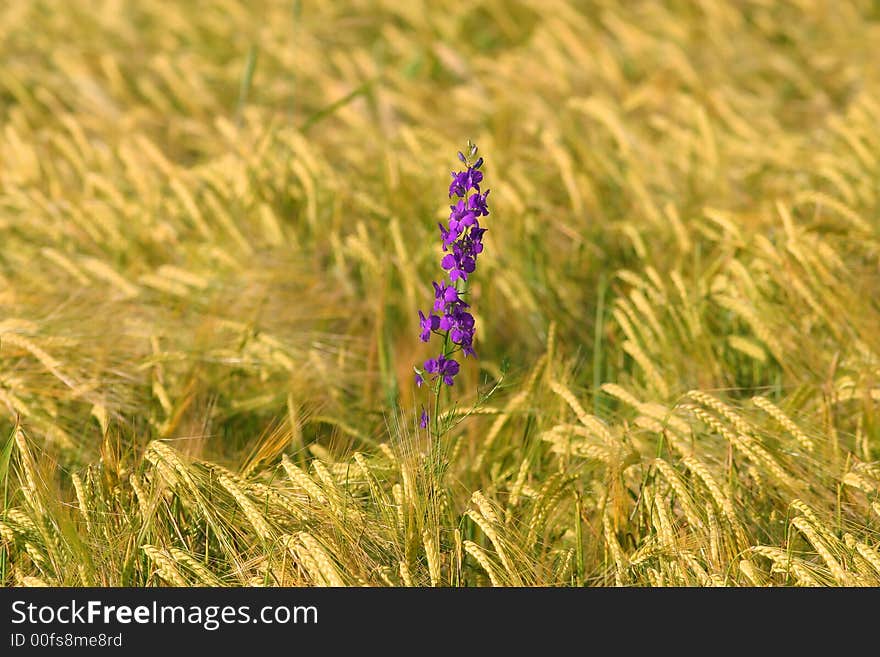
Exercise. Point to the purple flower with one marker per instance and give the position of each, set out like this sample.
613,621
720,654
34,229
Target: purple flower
446,368
460,262
423,419
450,371
443,295
448,235
428,324
462,215
459,336
462,326
476,203
419,380
464,181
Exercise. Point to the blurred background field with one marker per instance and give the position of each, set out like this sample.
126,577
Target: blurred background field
218,222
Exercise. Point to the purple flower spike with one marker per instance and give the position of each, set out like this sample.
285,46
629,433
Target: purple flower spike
423,420
462,241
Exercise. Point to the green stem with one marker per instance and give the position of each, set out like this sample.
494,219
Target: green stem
437,388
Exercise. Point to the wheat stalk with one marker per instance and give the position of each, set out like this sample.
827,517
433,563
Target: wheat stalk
821,547
485,563
165,565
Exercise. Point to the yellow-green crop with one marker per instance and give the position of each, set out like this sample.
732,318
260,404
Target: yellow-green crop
216,224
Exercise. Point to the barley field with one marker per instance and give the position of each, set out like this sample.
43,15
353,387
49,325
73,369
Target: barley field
218,223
